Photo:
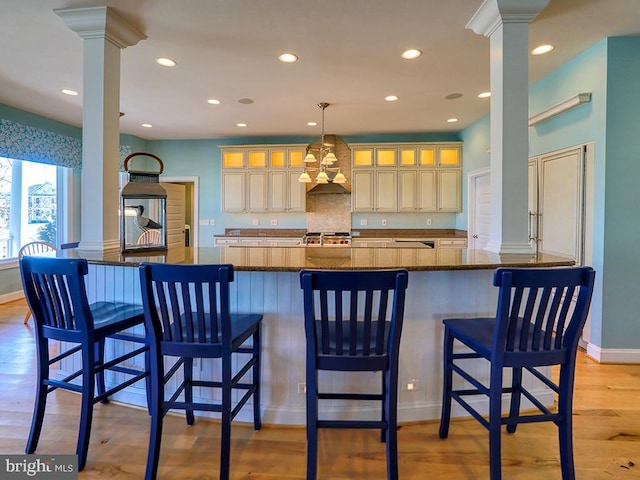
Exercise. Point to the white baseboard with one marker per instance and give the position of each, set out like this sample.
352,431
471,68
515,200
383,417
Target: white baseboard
10,297
613,355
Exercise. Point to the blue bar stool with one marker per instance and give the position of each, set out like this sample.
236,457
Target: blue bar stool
187,317
537,324
55,292
353,321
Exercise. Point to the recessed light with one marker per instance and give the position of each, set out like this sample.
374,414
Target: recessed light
245,101
452,120
166,62
484,95
241,125
391,98
213,101
542,49
312,124
411,53
66,91
453,96
146,125
288,58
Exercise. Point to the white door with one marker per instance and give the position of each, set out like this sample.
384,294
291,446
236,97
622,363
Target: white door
175,214
560,203
480,210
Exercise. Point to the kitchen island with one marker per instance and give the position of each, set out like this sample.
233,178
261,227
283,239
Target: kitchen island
442,283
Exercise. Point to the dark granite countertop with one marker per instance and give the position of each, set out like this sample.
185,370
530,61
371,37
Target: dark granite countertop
356,233
294,258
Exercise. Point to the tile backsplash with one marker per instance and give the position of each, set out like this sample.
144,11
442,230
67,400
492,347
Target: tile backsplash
332,212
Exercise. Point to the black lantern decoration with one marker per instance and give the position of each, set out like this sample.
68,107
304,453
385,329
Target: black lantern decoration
143,210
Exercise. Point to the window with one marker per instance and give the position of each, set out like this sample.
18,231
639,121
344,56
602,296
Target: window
28,204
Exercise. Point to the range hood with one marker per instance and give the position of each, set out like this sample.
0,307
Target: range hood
328,188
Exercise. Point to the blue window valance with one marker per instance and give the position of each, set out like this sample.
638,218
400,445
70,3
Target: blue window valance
24,142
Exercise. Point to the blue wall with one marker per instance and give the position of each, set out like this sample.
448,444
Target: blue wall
620,193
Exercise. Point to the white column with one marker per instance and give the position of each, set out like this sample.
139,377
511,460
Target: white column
104,34
506,23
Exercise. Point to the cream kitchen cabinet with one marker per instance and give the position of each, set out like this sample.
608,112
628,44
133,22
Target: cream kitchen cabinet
261,178
244,191
286,193
417,190
286,157
426,177
233,191
257,187
257,241
451,243
449,190
441,155
374,191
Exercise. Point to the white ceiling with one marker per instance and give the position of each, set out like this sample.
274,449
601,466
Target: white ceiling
349,55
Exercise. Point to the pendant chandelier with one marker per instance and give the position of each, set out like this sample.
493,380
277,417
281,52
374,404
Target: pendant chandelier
326,172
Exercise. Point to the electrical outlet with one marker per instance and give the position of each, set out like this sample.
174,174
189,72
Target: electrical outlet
411,385
428,221
274,221
302,388
255,221
384,222
364,222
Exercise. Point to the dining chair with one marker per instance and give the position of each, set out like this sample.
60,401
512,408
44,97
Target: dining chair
188,317
353,321
55,291
539,319
34,248
150,237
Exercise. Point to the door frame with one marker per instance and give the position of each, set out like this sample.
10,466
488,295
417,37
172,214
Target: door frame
472,177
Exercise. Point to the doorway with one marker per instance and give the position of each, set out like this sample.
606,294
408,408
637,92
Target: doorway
191,207
479,208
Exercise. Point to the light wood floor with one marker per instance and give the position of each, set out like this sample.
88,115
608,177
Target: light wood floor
606,434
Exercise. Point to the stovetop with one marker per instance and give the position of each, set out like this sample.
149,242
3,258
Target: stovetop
328,238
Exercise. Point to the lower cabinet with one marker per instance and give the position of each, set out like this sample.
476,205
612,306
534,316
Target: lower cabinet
257,241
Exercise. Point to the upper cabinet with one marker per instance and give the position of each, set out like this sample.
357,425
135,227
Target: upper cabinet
407,177
260,178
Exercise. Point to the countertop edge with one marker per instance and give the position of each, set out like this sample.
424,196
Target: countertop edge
462,259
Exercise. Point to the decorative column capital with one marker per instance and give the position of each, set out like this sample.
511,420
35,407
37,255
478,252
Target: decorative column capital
493,13
100,22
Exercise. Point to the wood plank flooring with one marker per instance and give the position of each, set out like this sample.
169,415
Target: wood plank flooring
606,434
